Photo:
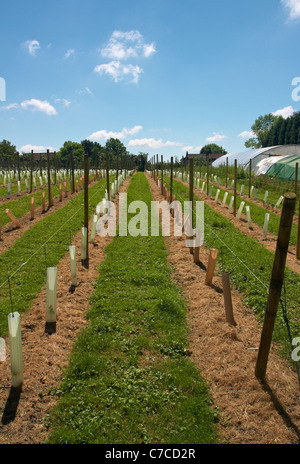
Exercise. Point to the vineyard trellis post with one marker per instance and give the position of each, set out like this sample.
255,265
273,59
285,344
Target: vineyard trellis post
49,180
226,173
250,172
72,174
86,200
107,174
235,187
31,170
276,283
162,174
171,180
207,176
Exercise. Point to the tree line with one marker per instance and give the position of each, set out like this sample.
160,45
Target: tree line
270,130
114,148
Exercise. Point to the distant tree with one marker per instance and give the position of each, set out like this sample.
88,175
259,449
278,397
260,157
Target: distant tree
261,128
8,153
212,148
115,147
64,154
141,161
94,152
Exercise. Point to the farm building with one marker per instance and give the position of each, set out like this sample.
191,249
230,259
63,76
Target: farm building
258,155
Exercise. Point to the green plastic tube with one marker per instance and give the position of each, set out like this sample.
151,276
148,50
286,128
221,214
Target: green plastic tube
51,294
15,347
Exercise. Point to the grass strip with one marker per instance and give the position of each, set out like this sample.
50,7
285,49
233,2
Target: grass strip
28,281
129,378
249,278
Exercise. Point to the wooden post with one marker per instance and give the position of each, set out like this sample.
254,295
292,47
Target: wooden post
60,192
250,175
13,218
191,196
117,172
55,168
49,181
31,170
162,174
86,199
171,180
226,173
211,266
43,202
107,175
207,177
235,187
41,168
296,177
227,299
72,174
32,208
156,166
298,235
19,172
276,282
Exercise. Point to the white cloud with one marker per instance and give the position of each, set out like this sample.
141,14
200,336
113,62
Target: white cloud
69,52
152,143
293,8
285,112
191,149
32,46
118,71
9,107
38,105
125,45
216,138
105,135
84,91
36,148
246,134
65,102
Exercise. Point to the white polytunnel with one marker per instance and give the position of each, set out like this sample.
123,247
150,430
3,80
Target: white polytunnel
257,155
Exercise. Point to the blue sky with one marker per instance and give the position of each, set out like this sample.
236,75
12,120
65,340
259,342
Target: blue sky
163,76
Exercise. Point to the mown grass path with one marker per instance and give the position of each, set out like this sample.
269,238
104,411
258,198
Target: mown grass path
130,379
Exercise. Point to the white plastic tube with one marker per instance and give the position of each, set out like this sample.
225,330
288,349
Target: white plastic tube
248,216
84,243
279,202
224,199
15,347
203,187
240,210
51,294
217,196
242,189
266,223
210,191
72,250
251,191
93,228
266,196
